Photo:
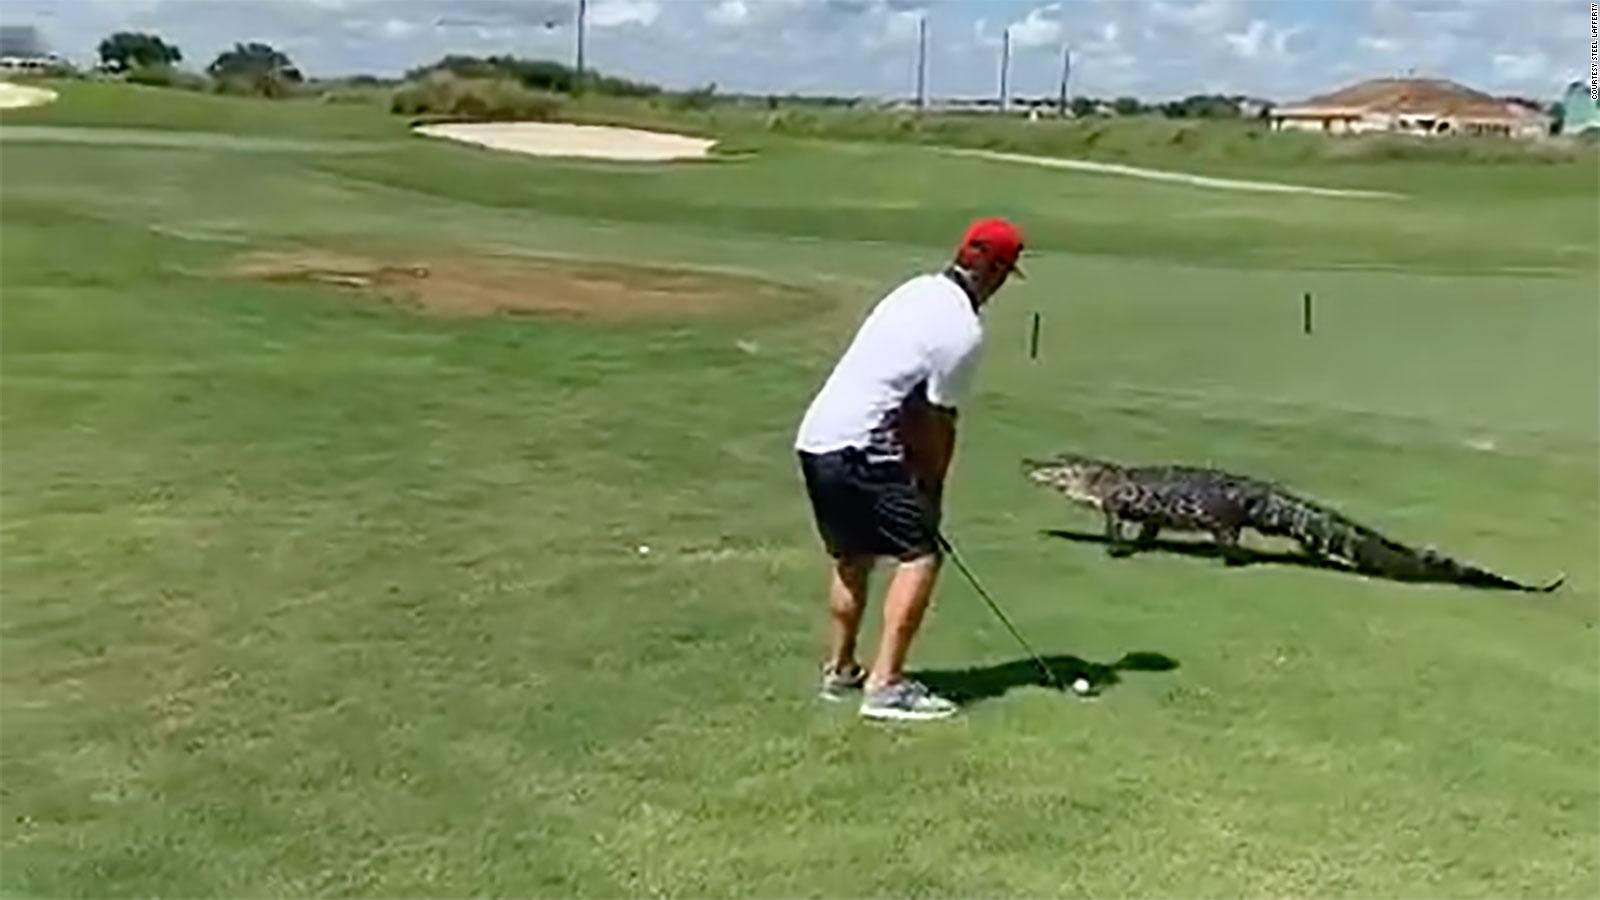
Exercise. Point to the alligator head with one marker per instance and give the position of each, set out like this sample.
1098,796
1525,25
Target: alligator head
1076,477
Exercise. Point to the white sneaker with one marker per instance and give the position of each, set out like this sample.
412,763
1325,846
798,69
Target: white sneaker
906,700
838,683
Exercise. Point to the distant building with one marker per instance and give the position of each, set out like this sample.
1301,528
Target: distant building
1421,106
1017,106
21,42
38,65
1253,108
22,50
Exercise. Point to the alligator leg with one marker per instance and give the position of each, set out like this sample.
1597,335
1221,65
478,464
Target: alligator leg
1313,548
1227,538
1147,534
1116,543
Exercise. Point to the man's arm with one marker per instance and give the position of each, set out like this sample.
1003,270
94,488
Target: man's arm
929,434
952,353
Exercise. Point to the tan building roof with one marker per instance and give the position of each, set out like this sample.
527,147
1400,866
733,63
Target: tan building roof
1410,96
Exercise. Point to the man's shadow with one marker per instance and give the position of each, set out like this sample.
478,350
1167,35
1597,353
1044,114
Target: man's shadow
971,685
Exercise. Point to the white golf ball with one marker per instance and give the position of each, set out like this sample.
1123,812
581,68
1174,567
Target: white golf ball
1081,685
644,549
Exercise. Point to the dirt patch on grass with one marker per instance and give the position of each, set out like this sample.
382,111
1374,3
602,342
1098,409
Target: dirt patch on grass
490,285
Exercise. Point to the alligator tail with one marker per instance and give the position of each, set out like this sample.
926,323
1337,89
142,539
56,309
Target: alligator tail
1327,533
1464,573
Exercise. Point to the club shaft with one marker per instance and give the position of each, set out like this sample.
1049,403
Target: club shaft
961,564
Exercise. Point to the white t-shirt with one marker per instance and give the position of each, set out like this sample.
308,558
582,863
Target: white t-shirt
925,330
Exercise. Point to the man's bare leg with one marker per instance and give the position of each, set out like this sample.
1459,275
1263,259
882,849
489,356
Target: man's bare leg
903,607
847,600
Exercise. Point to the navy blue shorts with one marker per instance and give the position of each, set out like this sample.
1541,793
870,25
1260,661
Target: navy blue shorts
867,508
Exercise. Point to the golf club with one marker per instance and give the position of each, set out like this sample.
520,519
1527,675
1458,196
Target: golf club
946,546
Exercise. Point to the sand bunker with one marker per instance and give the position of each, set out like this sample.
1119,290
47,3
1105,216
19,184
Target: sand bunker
486,285
592,141
16,96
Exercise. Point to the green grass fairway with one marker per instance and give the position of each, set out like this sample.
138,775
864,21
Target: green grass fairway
308,594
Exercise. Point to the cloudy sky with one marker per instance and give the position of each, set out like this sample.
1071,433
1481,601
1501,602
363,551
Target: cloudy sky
1156,49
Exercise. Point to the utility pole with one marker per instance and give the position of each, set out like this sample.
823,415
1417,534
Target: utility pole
1005,67
583,8
922,63
1066,68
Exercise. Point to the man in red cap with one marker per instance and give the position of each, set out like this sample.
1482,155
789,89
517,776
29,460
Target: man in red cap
874,448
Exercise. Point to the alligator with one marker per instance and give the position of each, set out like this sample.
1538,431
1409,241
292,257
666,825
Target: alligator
1191,498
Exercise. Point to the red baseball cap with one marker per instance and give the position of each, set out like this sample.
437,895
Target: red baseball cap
994,238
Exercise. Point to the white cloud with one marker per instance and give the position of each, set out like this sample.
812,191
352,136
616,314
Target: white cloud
1103,53
729,13
397,28
1521,67
900,27
615,13
980,34
1247,44
1282,37
1263,42
1207,18
1039,28
1448,15
487,35
1503,46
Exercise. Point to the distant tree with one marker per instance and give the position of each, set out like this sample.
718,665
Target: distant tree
1201,106
1127,106
254,62
361,81
126,50
545,75
535,73
698,98
1082,106
1212,106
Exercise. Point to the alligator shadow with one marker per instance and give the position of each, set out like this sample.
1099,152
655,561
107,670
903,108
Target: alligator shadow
971,685
1245,556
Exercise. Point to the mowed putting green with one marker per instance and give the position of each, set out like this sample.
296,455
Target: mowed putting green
310,589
